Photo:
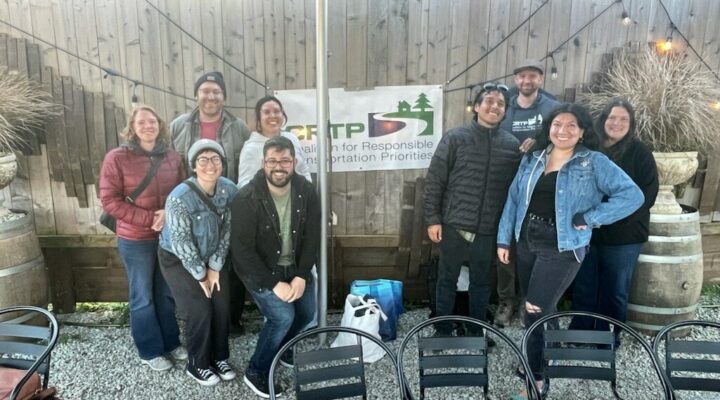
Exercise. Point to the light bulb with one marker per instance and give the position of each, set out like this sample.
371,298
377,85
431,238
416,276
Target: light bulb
667,46
626,20
468,107
553,73
134,101
715,106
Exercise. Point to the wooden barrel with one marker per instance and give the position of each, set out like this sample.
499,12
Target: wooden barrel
23,280
669,274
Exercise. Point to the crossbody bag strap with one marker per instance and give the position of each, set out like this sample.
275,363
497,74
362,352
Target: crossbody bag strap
154,166
203,197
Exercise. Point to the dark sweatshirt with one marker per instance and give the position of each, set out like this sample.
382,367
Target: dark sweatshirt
639,163
525,123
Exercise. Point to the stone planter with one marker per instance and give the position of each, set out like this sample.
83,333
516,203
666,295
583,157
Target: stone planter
673,169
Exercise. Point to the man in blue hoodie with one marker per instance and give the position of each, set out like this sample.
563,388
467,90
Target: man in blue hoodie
523,119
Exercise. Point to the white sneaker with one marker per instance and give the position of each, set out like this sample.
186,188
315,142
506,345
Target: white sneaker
159,363
179,354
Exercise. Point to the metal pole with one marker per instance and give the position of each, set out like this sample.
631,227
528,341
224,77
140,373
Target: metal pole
322,135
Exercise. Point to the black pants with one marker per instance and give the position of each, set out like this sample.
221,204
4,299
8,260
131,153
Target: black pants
453,249
237,296
544,273
206,320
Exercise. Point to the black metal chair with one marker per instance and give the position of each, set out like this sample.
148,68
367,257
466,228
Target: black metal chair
679,370
34,343
564,346
353,368
440,354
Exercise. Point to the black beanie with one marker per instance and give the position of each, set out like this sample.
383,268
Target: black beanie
213,76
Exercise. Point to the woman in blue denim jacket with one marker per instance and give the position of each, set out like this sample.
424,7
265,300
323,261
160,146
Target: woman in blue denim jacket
194,244
553,203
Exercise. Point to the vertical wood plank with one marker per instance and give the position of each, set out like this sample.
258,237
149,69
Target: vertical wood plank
51,128
151,54
295,43
418,30
337,36
234,48
356,65
459,27
561,30
130,55
274,33
170,39
42,195
109,38
111,132
310,48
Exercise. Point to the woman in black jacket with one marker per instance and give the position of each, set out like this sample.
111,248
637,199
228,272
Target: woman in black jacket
603,283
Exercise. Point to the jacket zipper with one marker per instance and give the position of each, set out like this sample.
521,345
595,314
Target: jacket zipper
485,179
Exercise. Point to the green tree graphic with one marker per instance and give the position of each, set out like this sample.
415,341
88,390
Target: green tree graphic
422,103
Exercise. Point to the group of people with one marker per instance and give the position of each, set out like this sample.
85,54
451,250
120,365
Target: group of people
204,209
556,199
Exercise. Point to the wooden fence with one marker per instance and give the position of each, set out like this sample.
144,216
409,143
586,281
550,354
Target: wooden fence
371,43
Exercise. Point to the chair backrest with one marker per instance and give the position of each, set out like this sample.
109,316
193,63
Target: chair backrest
679,370
563,349
34,342
456,360
346,363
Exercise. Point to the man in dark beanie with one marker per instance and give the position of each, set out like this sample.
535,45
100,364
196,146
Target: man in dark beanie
210,120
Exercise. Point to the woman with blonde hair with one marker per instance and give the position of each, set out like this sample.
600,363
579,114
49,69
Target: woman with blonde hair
135,180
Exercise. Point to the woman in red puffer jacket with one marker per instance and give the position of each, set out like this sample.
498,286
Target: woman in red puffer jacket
152,309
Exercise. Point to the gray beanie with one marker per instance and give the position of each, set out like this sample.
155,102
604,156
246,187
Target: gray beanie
202,145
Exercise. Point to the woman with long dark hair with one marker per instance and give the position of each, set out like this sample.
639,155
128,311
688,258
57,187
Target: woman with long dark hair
603,283
553,203
139,222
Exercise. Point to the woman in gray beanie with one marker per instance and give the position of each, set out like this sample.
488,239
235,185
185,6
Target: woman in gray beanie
193,249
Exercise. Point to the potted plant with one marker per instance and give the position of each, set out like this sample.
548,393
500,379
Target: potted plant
675,99
24,108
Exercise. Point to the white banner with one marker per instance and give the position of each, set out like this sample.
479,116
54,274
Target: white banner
386,128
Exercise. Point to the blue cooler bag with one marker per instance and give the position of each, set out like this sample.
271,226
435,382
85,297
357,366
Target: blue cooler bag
388,294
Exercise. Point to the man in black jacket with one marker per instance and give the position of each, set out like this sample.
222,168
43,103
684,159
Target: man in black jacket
465,191
274,242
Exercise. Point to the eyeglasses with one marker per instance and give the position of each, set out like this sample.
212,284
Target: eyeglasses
203,161
272,163
494,86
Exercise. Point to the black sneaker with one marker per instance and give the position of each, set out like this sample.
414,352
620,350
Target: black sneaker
287,360
203,376
223,370
260,385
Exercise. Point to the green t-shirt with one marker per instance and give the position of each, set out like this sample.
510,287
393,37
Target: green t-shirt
283,207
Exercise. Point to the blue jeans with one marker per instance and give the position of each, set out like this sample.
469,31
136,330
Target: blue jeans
152,310
453,251
603,284
284,321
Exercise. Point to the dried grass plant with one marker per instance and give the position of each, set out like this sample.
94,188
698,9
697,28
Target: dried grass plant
24,108
672,95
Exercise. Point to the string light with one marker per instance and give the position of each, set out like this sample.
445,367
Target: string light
715,106
667,44
625,18
468,107
134,98
553,69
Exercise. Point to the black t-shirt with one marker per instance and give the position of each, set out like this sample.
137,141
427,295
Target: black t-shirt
542,202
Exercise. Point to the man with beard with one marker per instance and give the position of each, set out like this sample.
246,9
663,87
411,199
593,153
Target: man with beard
465,191
274,242
523,119
210,120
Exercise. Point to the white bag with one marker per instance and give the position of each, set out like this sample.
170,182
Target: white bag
368,320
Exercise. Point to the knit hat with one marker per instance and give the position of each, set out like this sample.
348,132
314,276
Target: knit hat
203,145
213,76
529,64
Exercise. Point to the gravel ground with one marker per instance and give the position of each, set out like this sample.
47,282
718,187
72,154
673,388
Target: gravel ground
102,363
